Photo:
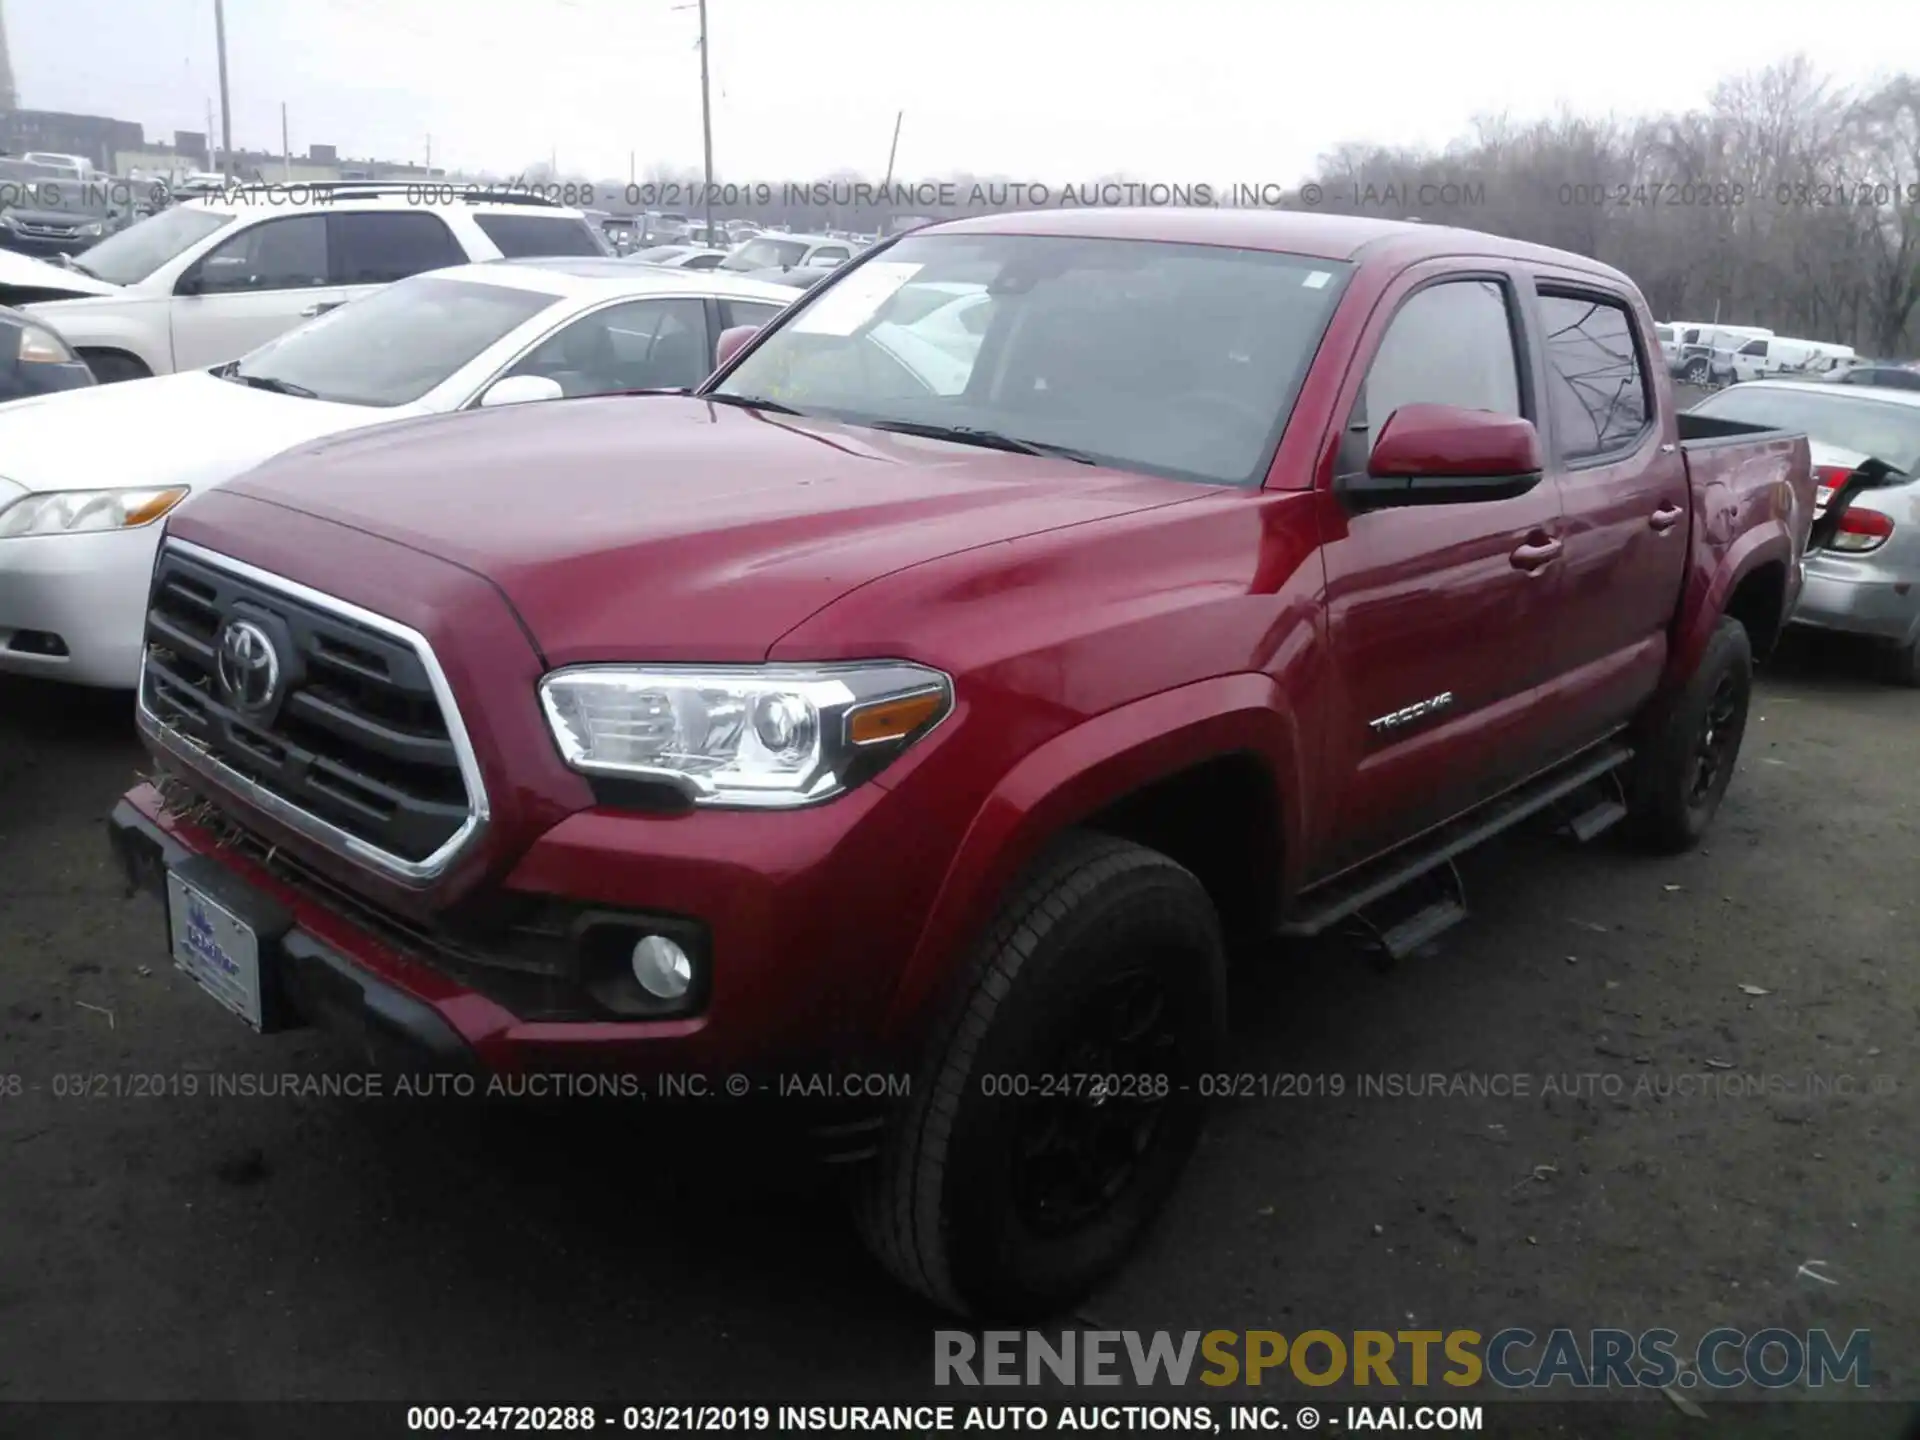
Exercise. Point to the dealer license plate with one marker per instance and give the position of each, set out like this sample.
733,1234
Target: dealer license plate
216,948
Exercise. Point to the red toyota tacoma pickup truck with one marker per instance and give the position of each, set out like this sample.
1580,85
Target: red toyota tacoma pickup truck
1034,612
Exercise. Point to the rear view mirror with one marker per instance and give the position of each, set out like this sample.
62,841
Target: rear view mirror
521,390
1446,455
732,341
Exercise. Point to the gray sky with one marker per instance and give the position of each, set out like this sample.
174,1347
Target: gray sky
1049,91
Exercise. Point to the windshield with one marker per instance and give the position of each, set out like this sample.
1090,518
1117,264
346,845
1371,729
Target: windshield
396,344
1177,360
1884,429
765,253
137,251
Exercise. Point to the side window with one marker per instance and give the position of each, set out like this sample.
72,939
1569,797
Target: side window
1596,390
517,236
1449,344
1754,347
745,312
835,253
703,262
289,253
641,345
1691,337
377,248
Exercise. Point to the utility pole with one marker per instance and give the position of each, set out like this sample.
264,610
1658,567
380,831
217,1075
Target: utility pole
226,114
893,149
706,118
429,152
210,158
286,147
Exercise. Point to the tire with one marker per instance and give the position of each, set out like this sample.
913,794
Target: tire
971,1200
112,366
1903,663
1692,747
1696,372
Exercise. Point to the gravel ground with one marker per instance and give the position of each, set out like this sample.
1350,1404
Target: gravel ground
167,1247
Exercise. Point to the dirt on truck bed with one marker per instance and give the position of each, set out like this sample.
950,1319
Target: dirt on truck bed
1629,1092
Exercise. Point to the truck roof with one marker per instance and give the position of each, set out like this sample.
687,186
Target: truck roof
1355,238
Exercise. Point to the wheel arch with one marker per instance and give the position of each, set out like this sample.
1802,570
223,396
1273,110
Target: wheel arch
1130,772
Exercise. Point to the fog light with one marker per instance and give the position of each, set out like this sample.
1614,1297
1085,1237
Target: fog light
662,968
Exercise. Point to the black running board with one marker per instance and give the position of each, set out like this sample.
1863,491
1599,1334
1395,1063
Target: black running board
1344,896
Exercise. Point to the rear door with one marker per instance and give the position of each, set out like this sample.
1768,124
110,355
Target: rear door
1624,504
250,288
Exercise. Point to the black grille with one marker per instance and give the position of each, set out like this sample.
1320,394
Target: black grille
354,735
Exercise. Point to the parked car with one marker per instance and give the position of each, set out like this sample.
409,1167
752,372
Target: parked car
787,252
34,360
204,282
45,212
74,167
77,546
1881,374
804,277
678,257
1867,580
1702,350
1766,355
820,725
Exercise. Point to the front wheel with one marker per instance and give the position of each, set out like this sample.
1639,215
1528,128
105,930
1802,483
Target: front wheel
1696,372
1060,1101
1688,756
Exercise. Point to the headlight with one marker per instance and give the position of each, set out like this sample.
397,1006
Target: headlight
761,736
67,512
40,346
92,227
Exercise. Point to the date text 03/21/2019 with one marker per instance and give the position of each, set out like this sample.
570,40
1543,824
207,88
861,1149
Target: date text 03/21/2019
937,1419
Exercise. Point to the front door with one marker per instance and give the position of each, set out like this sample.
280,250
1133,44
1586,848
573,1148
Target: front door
1442,606
250,288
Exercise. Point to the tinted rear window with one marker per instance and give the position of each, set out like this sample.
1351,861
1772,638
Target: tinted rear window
519,236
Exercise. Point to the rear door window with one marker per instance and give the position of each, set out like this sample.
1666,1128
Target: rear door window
519,236
1596,389
377,248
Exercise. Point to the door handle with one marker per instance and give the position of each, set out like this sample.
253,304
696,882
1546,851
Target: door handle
319,307
1535,554
1666,517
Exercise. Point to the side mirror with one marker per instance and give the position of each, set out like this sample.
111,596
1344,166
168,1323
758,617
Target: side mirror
732,340
1446,455
521,390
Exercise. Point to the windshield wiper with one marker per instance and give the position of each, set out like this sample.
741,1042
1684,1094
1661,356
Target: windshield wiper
985,439
751,402
269,382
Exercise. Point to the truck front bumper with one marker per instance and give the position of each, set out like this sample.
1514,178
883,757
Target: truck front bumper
314,980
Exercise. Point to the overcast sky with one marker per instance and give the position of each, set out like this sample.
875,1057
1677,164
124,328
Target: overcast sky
1048,91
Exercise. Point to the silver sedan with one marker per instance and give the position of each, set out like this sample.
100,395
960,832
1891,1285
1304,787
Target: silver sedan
1867,581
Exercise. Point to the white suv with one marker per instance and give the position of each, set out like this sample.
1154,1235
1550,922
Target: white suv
205,282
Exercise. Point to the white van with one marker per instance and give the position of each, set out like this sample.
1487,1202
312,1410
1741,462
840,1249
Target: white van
1768,355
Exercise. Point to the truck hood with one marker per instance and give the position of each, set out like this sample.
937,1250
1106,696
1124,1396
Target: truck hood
665,528
25,280
185,429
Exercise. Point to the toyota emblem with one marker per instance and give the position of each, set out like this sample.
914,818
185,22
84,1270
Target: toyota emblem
249,666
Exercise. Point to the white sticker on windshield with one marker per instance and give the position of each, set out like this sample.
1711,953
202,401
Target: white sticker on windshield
1317,280
854,300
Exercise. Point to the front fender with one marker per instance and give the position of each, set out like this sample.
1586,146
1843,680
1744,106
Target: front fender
1076,774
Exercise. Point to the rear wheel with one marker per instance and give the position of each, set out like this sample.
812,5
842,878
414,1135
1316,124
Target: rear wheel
1696,372
1687,758
1903,663
1060,1101
111,366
